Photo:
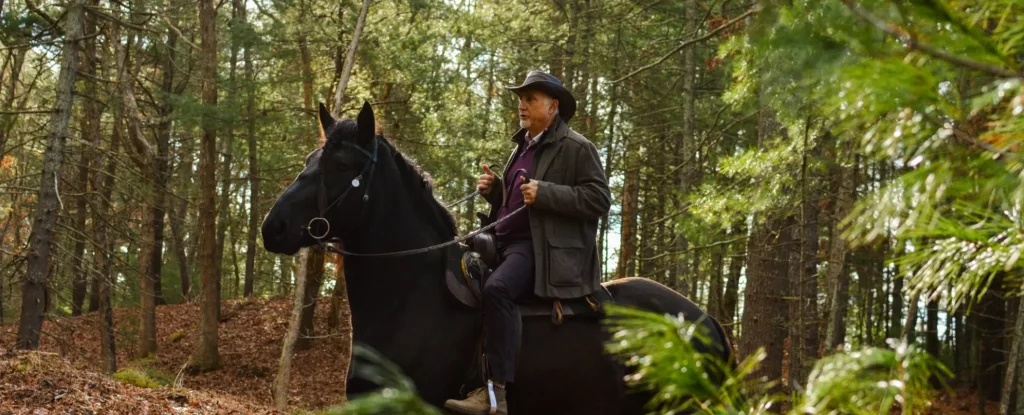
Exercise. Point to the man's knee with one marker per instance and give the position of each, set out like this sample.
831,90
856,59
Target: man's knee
496,289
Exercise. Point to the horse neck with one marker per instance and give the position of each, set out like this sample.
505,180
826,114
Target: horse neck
383,292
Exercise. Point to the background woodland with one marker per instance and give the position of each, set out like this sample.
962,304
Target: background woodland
819,175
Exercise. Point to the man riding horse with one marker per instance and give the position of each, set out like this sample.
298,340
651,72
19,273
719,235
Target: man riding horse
550,249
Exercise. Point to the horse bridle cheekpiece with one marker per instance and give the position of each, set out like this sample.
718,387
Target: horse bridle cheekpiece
367,171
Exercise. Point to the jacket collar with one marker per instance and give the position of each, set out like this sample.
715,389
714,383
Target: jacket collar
556,131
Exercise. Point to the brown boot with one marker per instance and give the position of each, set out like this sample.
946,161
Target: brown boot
478,403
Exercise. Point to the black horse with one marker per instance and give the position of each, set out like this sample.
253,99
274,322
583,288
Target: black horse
376,201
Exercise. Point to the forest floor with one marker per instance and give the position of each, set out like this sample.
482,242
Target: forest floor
251,334
64,378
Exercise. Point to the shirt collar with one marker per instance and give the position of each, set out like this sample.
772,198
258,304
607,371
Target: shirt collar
530,141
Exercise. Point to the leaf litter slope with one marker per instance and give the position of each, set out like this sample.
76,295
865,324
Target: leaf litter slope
251,332
44,382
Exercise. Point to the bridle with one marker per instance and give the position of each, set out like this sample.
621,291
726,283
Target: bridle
355,183
367,171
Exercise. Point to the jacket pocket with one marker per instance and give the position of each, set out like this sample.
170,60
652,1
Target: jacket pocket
564,261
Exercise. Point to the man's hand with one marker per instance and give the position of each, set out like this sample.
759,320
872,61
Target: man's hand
529,190
483,184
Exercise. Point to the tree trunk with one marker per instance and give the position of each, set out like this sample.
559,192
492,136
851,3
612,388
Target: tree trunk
228,141
40,240
695,276
339,322
883,319
254,171
932,345
206,356
314,278
730,299
630,198
108,347
838,278
224,202
9,120
177,219
932,336
284,365
1011,401
234,262
339,298
178,216
339,56
896,316
804,287
307,72
286,274
609,166
79,277
909,331
764,310
688,149
646,233
350,58
90,126
991,352
715,287
962,346
150,255
162,166
305,60
103,185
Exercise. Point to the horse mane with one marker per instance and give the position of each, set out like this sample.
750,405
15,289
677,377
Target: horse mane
417,178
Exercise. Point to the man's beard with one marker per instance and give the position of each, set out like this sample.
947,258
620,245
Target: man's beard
524,123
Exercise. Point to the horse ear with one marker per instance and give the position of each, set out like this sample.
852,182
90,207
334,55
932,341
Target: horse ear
367,125
326,122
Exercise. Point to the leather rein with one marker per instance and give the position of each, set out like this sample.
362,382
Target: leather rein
368,170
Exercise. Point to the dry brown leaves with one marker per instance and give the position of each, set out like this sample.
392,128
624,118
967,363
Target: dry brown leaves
251,333
41,383
963,401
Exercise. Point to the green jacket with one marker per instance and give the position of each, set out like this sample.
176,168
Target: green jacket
572,195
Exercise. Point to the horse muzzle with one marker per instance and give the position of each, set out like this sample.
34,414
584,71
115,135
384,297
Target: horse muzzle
279,238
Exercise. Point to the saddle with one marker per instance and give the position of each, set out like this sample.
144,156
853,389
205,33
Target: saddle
469,266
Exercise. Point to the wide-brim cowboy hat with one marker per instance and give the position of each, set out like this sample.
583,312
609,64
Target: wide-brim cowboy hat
537,80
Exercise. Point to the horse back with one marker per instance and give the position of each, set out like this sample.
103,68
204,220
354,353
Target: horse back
651,296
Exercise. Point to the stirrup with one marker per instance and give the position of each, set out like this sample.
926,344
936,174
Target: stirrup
493,399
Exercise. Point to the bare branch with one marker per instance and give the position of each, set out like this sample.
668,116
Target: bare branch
99,12
26,112
35,9
51,42
687,43
181,36
133,117
259,6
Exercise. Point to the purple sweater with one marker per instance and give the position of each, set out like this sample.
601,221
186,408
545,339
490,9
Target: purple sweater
517,227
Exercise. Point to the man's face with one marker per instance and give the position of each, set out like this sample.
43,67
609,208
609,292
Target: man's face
536,109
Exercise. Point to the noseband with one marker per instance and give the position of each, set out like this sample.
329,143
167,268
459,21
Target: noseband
367,171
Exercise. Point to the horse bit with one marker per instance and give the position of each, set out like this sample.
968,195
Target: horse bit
357,182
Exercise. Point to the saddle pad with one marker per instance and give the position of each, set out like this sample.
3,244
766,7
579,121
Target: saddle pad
467,289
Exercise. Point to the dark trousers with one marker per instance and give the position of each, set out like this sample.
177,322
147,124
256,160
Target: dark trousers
510,281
